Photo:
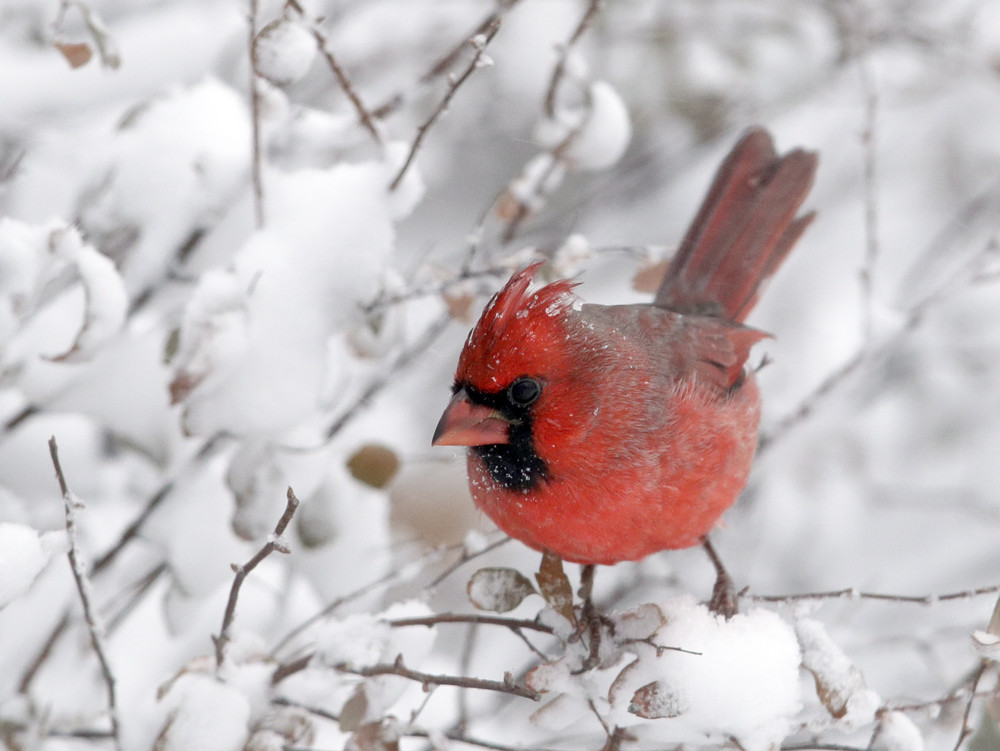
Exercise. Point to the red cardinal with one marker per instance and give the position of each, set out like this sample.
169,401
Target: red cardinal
606,433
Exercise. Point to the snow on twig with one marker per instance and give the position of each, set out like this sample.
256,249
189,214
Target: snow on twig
94,625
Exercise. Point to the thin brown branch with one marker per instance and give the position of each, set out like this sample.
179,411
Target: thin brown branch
322,44
274,543
131,599
869,140
514,624
853,594
257,177
330,608
446,61
43,653
132,530
965,731
72,505
414,732
559,71
396,575
506,686
966,275
479,42
422,344
932,704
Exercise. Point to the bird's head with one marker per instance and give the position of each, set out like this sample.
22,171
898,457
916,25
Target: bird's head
511,369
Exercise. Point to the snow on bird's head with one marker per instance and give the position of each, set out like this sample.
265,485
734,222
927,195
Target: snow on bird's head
518,333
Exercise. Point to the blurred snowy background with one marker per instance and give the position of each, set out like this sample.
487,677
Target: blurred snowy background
208,295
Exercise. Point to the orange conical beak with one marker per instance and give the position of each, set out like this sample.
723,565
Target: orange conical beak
466,424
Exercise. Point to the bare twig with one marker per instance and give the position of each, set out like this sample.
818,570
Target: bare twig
43,654
274,543
964,731
559,71
131,599
445,62
257,176
507,686
94,626
869,140
322,43
132,530
479,43
412,732
331,607
971,272
392,576
853,594
522,210
426,339
514,624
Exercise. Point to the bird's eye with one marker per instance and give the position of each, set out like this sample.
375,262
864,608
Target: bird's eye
524,391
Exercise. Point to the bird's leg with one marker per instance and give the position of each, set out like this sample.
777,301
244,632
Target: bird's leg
724,600
590,620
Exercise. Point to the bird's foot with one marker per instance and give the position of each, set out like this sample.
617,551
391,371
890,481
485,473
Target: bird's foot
591,623
725,600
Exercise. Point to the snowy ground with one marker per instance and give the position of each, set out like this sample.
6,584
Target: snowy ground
200,329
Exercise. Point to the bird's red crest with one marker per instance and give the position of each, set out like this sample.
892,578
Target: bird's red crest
516,330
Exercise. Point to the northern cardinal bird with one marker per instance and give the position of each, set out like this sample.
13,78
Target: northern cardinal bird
606,433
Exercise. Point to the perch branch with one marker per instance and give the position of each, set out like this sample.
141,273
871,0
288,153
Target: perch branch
514,624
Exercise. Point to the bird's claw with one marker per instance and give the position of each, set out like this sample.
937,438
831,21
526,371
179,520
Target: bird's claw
725,601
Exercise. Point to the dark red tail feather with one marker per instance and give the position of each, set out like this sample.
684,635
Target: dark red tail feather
742,232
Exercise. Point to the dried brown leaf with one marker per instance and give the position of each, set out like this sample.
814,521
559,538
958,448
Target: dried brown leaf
555,586
77,54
